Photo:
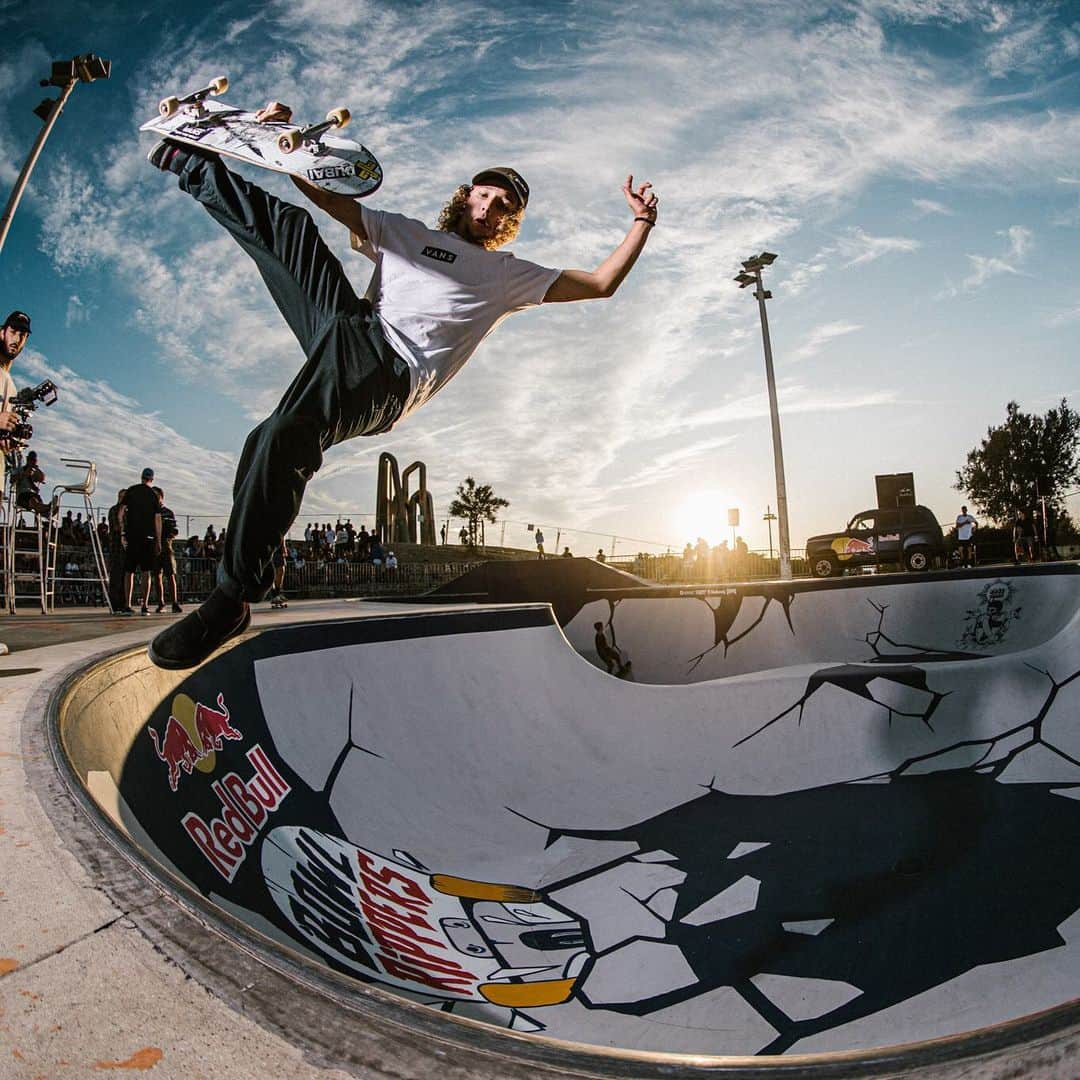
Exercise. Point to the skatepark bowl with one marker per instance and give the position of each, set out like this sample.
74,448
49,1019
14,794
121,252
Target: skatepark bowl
802,828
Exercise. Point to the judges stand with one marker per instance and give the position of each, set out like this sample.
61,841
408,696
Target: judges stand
25,546
78,494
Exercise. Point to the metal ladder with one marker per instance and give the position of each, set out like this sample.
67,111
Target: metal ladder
16,557
83,490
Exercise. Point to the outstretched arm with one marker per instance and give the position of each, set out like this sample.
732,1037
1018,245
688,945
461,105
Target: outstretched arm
340,207
608,276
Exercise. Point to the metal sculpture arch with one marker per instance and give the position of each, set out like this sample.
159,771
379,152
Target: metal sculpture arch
401,518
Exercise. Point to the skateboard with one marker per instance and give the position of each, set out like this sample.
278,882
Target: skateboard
278,600
313,152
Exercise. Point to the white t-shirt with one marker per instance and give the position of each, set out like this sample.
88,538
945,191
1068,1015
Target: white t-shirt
438,296
964,524
7,392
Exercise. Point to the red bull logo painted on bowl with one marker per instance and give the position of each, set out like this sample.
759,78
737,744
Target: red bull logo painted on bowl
245,807
192,735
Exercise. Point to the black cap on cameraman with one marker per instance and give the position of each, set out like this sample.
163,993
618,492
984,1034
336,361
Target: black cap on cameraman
18,319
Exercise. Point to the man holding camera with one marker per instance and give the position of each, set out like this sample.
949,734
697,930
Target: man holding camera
13,335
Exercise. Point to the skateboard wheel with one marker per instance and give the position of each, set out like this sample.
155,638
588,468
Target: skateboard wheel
290,141
168,106
219,85
339,117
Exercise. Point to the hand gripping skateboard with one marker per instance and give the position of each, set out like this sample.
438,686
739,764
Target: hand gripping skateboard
313,153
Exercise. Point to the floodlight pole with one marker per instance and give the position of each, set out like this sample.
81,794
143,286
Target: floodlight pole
31,161
751,275
86,68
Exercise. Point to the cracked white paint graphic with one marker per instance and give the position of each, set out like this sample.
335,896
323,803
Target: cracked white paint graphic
613,903
638,969
736,899
745,847
663,903
805,999
810,927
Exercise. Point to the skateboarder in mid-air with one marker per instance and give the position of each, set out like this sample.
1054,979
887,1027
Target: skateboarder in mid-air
434,296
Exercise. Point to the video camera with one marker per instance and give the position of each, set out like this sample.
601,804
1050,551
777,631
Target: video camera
23,404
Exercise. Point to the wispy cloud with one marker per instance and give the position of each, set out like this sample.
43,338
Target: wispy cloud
21,65
1065,317
930,206
77,312
91,418
854,248
985,268
858,248
820,337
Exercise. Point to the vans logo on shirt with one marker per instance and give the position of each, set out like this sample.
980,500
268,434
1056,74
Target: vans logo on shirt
439,254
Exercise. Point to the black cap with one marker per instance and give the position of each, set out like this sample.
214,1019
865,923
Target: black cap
19,319
504,176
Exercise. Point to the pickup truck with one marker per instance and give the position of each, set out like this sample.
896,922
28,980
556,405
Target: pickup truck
907,535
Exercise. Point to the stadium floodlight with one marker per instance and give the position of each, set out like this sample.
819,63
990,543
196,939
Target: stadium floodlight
751,275
65,74
756,262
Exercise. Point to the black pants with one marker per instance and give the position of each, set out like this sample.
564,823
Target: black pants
116,575
352,383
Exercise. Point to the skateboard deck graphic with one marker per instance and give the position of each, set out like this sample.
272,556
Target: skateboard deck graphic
320,156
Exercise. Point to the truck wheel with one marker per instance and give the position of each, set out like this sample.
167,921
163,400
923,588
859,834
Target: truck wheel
824,566
917,559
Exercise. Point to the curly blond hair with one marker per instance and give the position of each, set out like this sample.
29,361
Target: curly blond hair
450,215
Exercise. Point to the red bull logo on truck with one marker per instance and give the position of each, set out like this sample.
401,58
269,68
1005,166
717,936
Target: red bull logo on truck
852,545
193,733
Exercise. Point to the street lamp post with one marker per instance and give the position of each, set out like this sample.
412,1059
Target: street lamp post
65,75
751,275
769,518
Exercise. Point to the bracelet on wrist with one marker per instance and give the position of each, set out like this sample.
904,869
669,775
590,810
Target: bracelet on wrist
647,220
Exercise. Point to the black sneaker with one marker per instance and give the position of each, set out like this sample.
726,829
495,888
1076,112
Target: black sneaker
126,611
177,609
144,610
169,156
159,609
188,642
175,157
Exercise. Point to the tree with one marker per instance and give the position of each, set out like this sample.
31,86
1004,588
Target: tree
477,504
1026,459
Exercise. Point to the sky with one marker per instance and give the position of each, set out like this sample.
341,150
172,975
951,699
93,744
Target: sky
915,165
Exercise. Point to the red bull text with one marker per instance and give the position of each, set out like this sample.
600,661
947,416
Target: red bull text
246,805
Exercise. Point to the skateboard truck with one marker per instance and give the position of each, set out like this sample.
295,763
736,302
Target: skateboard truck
297,137
170,106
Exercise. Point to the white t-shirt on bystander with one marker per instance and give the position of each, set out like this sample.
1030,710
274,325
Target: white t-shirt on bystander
965,525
